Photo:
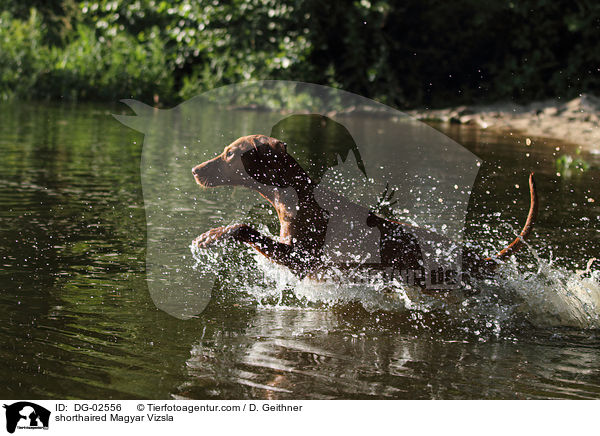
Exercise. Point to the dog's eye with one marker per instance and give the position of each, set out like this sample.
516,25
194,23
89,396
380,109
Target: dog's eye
229,154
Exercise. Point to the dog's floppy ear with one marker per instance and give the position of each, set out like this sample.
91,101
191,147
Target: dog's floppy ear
277,145
268,163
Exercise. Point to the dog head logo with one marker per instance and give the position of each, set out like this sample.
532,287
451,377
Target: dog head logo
356,158
26,415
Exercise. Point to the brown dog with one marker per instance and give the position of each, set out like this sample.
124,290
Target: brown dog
308,224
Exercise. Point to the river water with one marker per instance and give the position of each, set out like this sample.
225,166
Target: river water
77,320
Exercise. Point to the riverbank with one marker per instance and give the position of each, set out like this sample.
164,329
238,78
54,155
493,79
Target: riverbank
576,121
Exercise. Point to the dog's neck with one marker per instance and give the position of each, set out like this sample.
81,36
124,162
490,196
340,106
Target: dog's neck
296,208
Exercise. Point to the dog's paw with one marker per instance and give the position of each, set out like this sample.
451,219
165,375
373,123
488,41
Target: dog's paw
215,235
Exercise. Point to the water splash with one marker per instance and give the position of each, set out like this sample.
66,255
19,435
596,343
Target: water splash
553,296
540,292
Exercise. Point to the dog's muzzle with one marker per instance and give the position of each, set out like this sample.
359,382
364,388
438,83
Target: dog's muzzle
208,175
200,178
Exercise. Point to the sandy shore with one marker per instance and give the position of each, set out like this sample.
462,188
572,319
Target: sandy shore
576,121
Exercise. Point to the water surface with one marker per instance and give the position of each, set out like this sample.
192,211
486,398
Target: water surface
77,320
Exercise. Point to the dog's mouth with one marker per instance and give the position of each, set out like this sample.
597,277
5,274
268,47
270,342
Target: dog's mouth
203,181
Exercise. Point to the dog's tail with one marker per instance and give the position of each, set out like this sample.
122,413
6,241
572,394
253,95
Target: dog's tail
515,245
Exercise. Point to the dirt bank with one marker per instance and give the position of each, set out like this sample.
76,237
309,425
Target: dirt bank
576,121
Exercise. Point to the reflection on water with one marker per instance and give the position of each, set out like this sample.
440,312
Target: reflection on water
77,320
285,353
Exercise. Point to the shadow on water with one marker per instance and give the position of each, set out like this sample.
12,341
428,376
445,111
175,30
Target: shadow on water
77,320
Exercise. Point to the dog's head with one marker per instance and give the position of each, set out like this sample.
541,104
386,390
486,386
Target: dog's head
247,161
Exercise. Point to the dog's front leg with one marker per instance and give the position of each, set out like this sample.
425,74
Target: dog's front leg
268,247
215,235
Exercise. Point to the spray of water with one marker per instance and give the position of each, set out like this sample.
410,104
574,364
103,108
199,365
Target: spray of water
540,292
553,296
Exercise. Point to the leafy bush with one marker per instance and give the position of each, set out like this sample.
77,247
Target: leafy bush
93,67
211,43
23,57
410,53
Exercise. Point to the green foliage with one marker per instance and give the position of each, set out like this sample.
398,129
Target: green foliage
566,164
58,16
211,43
410,53
23,57
93,67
